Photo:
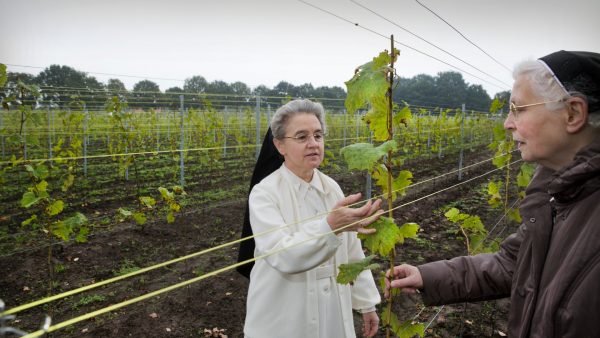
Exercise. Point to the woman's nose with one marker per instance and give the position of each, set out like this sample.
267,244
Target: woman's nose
509,122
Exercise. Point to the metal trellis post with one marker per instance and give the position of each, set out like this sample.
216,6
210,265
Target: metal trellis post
49,136
85,139
181,146
258,146
462,134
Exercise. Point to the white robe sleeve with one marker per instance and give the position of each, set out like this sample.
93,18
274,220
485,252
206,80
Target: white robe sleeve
300,247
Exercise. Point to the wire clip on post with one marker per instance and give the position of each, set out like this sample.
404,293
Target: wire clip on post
8,331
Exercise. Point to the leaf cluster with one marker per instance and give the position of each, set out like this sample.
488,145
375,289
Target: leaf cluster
473,230
38,194
169,204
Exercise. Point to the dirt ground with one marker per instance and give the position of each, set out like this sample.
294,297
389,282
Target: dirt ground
218,302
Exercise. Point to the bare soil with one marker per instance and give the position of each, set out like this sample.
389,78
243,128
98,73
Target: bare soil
219,301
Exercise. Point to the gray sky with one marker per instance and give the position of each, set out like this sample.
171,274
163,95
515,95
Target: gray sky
267,41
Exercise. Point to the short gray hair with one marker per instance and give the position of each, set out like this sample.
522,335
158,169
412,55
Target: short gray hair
545,85
300,106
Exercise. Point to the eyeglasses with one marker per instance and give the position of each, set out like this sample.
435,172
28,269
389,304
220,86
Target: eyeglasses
304,137
514,109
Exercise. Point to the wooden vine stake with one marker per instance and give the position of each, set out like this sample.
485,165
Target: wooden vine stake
371,86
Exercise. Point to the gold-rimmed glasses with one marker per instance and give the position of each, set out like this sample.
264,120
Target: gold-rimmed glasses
514,109
319,136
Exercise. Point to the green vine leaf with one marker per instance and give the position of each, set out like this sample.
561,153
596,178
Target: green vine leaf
472,228
515,215
453,215
68,182
125,212
385,239
369,80
399,184
497,105
364,156
166,194
407,329
3,75
349,272
408,230
525,174
394,291
82,235
40,172
388,235
148,202
140,218
61,230
170,217
29,220
29,198
55,208
77,220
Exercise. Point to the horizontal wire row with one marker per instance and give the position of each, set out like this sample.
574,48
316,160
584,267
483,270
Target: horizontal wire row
218,271
320,215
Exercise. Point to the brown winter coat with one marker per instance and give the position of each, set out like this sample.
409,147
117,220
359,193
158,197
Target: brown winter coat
550,267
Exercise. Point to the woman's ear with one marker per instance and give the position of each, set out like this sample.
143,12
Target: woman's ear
577,114
280,146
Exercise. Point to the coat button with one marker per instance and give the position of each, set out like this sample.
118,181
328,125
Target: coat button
532,220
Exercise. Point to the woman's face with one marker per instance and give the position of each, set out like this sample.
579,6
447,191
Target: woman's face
301,148
540,133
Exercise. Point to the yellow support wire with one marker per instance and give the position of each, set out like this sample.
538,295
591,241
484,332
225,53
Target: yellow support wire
202,252
224,269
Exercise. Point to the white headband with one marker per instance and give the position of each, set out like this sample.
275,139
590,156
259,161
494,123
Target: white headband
554,76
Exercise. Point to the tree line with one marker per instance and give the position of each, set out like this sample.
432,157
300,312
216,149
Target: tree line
63,84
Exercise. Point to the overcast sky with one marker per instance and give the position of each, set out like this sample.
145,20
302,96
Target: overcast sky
267,41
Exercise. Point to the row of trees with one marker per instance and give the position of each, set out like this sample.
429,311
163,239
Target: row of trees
62,84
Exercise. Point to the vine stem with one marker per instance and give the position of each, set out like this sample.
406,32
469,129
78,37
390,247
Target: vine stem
507,180
388,165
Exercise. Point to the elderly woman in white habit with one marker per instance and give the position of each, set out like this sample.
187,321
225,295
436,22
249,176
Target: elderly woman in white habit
304,224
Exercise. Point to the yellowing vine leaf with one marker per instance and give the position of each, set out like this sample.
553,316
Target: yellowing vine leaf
364,156
399,183
376,118
494,193
369,80
148,201
403,116
349,272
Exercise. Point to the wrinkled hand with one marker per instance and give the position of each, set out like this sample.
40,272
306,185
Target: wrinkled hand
403,276
361,217
370,324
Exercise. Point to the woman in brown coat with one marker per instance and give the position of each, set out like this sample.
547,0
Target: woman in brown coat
550,268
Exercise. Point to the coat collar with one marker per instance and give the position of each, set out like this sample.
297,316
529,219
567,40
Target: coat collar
580,178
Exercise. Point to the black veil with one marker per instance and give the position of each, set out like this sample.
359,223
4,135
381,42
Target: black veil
268,161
